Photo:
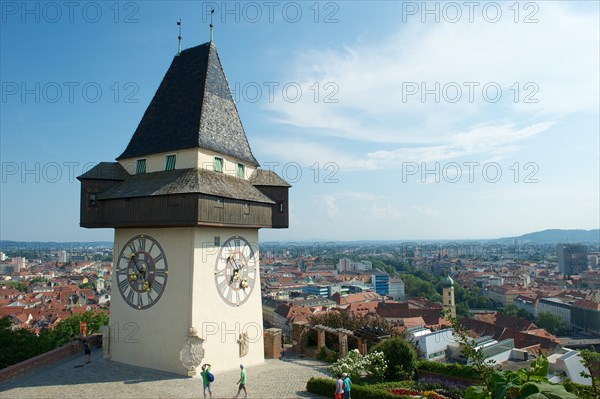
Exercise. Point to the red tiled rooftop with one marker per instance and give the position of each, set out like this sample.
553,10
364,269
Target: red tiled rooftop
587,305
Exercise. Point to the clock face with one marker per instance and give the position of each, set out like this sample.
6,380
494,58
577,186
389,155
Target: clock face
142,272
236,270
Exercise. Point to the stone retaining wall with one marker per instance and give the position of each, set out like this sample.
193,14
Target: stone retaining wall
46,359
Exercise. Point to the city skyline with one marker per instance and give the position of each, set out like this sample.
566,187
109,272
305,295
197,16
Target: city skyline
395,136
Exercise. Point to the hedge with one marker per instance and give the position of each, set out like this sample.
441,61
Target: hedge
452,370
326,387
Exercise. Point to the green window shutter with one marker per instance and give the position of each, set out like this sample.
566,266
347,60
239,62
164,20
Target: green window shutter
140,166
170,164
218,164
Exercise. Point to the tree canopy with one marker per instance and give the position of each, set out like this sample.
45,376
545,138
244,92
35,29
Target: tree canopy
17,345
552,323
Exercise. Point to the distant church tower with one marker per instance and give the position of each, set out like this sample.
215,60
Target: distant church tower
448,293
186,199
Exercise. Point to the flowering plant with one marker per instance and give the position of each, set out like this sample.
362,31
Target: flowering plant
414,392
433,395
405,391
357,365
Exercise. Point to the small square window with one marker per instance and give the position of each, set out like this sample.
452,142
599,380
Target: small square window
218,164
219,203
246,208
92,199
241,170
170,162
217,241
140,166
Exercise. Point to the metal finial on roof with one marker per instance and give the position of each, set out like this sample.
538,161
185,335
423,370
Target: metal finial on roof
179,37
212,11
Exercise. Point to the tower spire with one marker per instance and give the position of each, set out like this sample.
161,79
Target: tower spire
212,11
179,37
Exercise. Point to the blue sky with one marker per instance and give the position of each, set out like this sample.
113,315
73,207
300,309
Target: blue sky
390,120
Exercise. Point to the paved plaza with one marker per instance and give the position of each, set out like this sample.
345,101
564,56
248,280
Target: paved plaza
71,378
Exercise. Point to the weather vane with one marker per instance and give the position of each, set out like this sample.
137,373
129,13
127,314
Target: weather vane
179,37
212,11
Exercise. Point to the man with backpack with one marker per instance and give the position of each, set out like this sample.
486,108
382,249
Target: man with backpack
207,379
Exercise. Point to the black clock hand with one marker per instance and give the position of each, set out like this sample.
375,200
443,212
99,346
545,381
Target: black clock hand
230,260
141,273
238,272
237,267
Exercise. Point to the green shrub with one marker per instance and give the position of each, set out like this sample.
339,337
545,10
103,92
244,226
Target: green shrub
401,358
409,384
321,386
369,392
583,391
451,370
326,387
327,355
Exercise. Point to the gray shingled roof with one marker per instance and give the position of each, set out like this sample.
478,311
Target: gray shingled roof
262,177
106,171
184,181
193,107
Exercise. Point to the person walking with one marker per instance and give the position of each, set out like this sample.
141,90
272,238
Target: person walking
87,350
242,382
339,387
206,379
347,386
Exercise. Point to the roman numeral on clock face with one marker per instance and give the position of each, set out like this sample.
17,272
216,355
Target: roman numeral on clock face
123,284
157,286
131,247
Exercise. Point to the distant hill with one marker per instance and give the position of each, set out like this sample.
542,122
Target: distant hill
550,236
49,245
557,236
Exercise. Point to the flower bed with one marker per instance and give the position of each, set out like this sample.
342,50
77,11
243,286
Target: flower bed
416,394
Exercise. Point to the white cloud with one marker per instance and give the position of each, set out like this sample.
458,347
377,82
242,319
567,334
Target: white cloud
331,206
387,212
425,210
486,140
496,140
558,57
332,201
307,153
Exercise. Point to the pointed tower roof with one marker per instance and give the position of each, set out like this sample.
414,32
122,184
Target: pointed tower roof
193,107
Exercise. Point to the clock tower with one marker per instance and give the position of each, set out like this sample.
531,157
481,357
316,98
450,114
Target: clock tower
186,199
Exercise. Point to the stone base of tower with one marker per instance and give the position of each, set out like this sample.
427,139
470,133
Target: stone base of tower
190,324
